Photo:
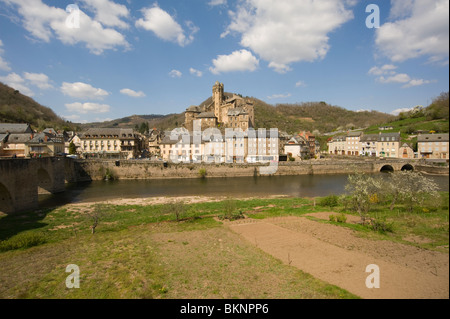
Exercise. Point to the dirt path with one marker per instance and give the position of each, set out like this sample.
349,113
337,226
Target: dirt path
334,254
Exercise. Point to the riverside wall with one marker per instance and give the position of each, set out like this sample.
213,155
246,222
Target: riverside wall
87,170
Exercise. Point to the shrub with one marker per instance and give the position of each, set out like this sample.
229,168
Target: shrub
341,218
22,241
329,201
202,172
381,226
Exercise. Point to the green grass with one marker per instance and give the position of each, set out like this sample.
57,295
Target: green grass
142,251
406,126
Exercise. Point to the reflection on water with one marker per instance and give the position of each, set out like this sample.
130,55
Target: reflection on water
238,187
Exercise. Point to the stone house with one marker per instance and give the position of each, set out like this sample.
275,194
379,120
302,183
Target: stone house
433,146
388,145
116,143
406,151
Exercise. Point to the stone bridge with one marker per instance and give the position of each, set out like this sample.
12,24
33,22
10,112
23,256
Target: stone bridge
21,180
394,165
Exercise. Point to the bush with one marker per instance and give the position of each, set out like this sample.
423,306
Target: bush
329,201
22,241
381,226
202,172
341,218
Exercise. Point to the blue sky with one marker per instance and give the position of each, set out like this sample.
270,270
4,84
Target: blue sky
126,57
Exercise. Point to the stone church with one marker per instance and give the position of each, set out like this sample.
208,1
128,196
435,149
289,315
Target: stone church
223,112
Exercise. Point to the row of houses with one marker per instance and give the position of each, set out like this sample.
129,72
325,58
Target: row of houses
20,141
389,145
249,146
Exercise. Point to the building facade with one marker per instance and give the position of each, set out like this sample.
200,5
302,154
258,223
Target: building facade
116,143
433,146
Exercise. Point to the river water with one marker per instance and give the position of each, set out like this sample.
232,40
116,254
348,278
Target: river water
236,187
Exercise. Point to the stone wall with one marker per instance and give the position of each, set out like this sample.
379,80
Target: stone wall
98,169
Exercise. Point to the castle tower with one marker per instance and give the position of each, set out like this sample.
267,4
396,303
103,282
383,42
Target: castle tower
218,98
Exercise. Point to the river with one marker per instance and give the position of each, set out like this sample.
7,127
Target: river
236,187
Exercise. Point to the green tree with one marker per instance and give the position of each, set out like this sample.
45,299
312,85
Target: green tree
72,148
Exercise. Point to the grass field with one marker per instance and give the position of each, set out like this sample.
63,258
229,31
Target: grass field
151,252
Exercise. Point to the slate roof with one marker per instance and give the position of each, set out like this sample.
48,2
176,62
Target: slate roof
15,128
433,138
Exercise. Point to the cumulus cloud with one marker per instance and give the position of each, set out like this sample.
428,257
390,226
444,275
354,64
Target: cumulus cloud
300,84
38,79
83,91
46,22
15,81
196,72
4,66
402,110
242,60
418,28
279,96
284,31
85,108
387,74
108,12
165,27
175,74
213,3
132,93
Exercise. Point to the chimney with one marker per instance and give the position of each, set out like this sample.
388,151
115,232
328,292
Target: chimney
45,138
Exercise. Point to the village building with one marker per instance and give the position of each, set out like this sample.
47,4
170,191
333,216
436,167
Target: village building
388,145
406,151
297,148
45,145
116,143
352,143
433,146
369,144
336,146
222,112
13,138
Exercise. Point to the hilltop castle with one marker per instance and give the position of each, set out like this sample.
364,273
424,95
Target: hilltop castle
223,112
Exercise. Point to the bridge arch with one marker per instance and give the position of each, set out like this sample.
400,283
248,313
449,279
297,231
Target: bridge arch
387,169
407,167
6,202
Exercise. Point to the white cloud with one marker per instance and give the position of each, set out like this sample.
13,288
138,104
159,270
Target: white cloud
386,74
17,82
72,117
285,31
421,29
38,79
85,108
82,90
217,2
279,96
175,74
397,78
165,27
132,93
109,13
403,110
242,60
196,72
416,82
385,69
45,22
4,66
300,84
